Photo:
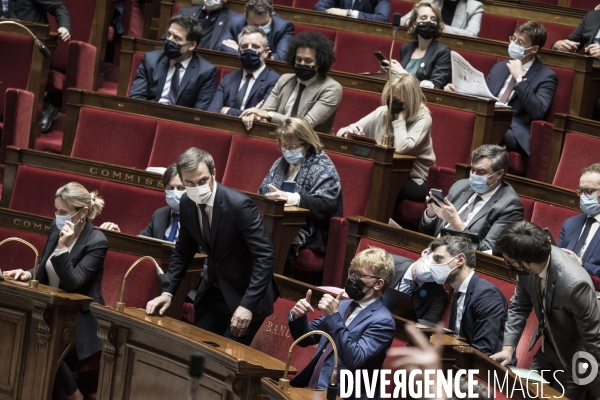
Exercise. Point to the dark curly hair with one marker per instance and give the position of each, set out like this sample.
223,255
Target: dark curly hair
312,40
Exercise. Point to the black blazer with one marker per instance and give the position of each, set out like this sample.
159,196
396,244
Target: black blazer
80,271
36,11
586,30
228,89
221,25
240,253
196,89
158,225
429,300
484,316
435,65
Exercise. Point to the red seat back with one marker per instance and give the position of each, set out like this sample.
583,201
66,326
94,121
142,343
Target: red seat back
354,52
552,217
539,160
16,126
555,32
331,34
14,74
305,4
399,251
561,102
114,138
583,4
136,60
15,255
579,151
452,134
527,208
401,7
481,62
221,72
497,27
286,3
245,169
172,139
354,101
387,364
355,177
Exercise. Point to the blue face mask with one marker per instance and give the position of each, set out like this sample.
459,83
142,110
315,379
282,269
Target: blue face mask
589,204
266,28
61,219
173,198
293,156
479,183
516,52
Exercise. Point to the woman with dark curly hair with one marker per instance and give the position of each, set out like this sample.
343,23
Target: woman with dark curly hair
308,93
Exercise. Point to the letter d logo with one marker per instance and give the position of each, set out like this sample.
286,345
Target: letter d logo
584,367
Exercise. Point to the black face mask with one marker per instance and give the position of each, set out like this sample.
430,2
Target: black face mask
522,271
172,49
397,106
304,72
426,30
250,59
354,288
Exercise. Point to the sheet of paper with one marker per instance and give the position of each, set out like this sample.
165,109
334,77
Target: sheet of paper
468,80
391,222
529,374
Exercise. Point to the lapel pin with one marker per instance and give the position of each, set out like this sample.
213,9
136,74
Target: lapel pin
422,65
221,23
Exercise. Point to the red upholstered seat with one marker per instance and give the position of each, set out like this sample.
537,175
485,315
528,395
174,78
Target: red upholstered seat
306,4
524,356
556,32
15,74
481,62
331,34
245,170
596,282
349,44
355,177
287,3
172,139
136,60
552,217
142,283
221,72
52,140
536,165
527,208
176,8
17,121
497,27
401,7
561,103
274,338
579,151
399,251
387,364
352,106
583,4
15,255
115,138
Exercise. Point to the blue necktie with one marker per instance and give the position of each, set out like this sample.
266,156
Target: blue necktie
174,228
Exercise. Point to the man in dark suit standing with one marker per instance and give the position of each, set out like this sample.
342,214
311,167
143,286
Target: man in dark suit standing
580,236
250,85
214,18
362,328
176,75
483,204
238,290
374,10
561,293
260,13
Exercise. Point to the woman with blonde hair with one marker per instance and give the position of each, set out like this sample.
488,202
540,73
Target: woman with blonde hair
306,177
73,260
409,133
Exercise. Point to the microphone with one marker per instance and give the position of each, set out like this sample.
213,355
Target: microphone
33,282
396,20
162,278
385,140
43,49
195,371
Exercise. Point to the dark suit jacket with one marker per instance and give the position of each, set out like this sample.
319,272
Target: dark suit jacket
435,65
228,89
429,300
502,209
158,225
282,32
240,254
196,89
484,316
375,10
569,235
531,100
80,271
221,25
586,30
361,345
36,11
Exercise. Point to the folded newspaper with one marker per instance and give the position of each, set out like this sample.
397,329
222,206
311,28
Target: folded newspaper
467,79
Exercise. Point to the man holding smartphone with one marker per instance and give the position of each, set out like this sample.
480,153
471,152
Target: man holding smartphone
483,204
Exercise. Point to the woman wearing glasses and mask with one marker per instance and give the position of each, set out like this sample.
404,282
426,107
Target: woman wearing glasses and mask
73,260
305,177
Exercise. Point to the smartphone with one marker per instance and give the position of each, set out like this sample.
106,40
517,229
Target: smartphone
380,56
437,195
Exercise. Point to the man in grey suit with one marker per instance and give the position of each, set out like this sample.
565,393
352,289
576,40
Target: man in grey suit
561,293
309,93
462,17
483,204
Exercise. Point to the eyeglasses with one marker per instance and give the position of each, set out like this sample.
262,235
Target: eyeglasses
587,192
291,147
360,275
513,39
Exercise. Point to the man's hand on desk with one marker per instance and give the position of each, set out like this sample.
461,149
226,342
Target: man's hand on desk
337,11
250,115
566,45
450,88
504,356
593,50
159,304
17,275
110,226
240,321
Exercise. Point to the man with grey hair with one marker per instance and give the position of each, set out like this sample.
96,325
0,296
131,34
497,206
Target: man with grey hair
483,204
251,85
238,289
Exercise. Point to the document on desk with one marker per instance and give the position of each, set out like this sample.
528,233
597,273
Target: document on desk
468,80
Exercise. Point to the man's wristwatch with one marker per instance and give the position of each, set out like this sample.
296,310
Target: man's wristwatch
270,116
349,13
521,78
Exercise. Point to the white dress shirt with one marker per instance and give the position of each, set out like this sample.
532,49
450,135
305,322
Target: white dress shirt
290,103
526,67
209,207
164,97
255,76
460,303
360,305
593,230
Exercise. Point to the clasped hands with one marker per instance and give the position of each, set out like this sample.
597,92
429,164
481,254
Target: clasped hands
445,211
327,305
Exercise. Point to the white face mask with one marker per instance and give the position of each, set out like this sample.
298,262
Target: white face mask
199,194
61,219
173,197
212,4
440,272
422,271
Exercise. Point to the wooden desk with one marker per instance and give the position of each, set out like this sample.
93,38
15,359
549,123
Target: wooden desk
271,388
146,357
37,330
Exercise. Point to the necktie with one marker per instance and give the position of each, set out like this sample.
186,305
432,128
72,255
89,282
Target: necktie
297,101
174,228
469,209
509,88
174,85
453,312
314,379
205,225
584,235
239,98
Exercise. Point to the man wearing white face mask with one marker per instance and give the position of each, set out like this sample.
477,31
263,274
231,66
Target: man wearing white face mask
580,236
483,204
523,83
479,309
238,289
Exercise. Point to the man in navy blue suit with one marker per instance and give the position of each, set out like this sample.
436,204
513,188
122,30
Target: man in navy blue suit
479,308
523,83
250,85
176,75
260,13
362,328
374,10
580,236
